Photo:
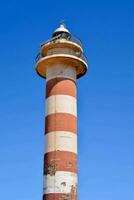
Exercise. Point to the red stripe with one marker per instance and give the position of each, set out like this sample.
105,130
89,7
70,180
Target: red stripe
60,161
61,122
61,86
58,196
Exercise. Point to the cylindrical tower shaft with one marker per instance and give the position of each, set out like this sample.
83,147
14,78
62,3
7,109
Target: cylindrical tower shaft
60,159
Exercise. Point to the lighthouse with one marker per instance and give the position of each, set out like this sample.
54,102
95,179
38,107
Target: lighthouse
61,62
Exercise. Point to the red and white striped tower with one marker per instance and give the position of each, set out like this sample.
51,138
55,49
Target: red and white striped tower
61,62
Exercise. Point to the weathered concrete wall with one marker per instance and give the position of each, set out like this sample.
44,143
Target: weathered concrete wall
60,158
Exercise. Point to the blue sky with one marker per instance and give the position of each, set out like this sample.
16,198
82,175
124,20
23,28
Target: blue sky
105,96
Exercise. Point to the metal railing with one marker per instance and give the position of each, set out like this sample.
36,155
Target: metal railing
76,54
76,40
38,57
64,36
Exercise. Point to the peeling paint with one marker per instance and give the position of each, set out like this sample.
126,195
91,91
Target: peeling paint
50,168
71,196
61,182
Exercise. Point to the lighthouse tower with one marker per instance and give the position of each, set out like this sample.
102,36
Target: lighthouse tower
61,62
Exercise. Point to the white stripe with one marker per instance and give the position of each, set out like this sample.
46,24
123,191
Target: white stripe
61,104
61,141
60,71
61,182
